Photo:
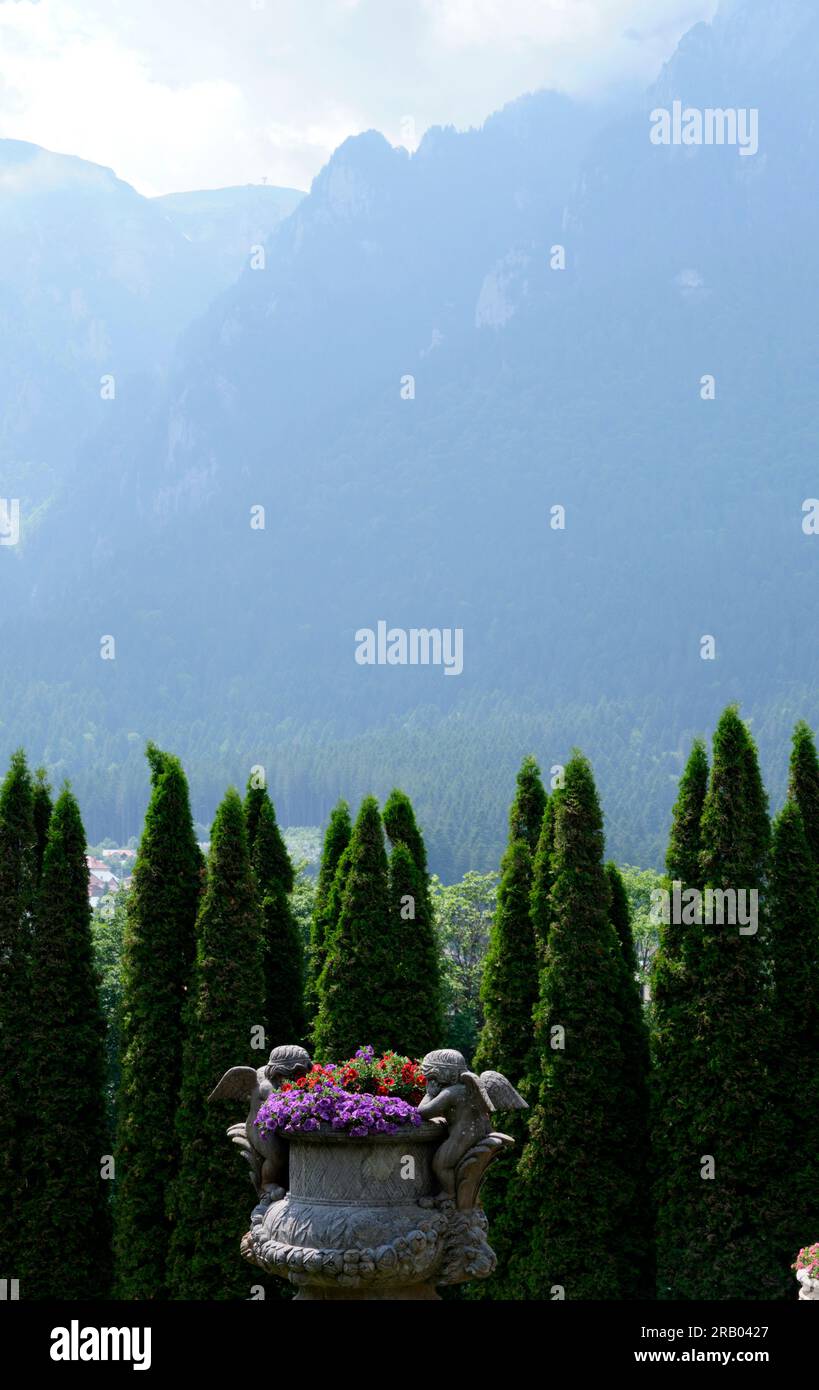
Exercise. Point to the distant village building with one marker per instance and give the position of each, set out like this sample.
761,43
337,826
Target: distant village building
101,879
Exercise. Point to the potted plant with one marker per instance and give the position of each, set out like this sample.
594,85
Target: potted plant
378,1197
365,1073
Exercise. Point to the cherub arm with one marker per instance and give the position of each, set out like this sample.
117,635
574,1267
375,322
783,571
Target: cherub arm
436,1107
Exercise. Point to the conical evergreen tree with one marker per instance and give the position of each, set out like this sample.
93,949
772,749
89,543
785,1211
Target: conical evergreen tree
803,784
17,883
794,920
41,813
402,827
210,1200
540,906
726,1244
526,814
362,949
637,1240
509,984
509,987
66,1215
277,862
509,991
685,842
336,839
676,1065
283,950
574,1185
419,1020
506,1044
158,958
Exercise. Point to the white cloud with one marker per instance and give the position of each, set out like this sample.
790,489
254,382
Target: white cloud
579,44
82,92
200,93
466,23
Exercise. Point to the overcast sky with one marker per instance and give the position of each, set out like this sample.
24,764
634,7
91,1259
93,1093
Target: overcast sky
182,94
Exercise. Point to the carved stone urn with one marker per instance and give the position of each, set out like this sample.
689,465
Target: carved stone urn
359,1220
386,1215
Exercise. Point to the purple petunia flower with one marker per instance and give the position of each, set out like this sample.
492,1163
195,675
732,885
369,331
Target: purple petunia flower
294,1112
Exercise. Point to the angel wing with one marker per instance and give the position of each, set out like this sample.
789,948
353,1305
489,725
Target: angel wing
236,1084
476,1090
501,1092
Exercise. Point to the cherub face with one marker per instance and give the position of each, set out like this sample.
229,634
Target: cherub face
433,1082
276,1077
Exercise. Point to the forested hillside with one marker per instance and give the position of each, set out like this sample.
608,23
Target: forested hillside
535,387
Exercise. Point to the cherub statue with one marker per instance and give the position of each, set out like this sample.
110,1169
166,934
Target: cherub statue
266,1155
465,1101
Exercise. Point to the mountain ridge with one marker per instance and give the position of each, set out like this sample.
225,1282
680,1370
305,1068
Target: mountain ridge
534,386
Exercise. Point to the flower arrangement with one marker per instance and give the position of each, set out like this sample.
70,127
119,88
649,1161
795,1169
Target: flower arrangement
388,1075
300,1110
365,1095
808,1259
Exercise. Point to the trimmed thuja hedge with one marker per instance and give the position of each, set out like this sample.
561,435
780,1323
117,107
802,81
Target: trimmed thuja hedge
577,1213
284,1012
419,1019
160,945
326,904
508,995
377,925
17,900
360,949
675,1072
66,1219
794,923
719,1190
688,1169
209,1196
510,979
636,1241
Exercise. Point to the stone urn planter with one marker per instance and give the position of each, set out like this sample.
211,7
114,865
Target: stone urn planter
359,1220
381,1215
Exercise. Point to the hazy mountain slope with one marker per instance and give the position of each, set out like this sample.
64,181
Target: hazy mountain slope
534,387
226,223
96,280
